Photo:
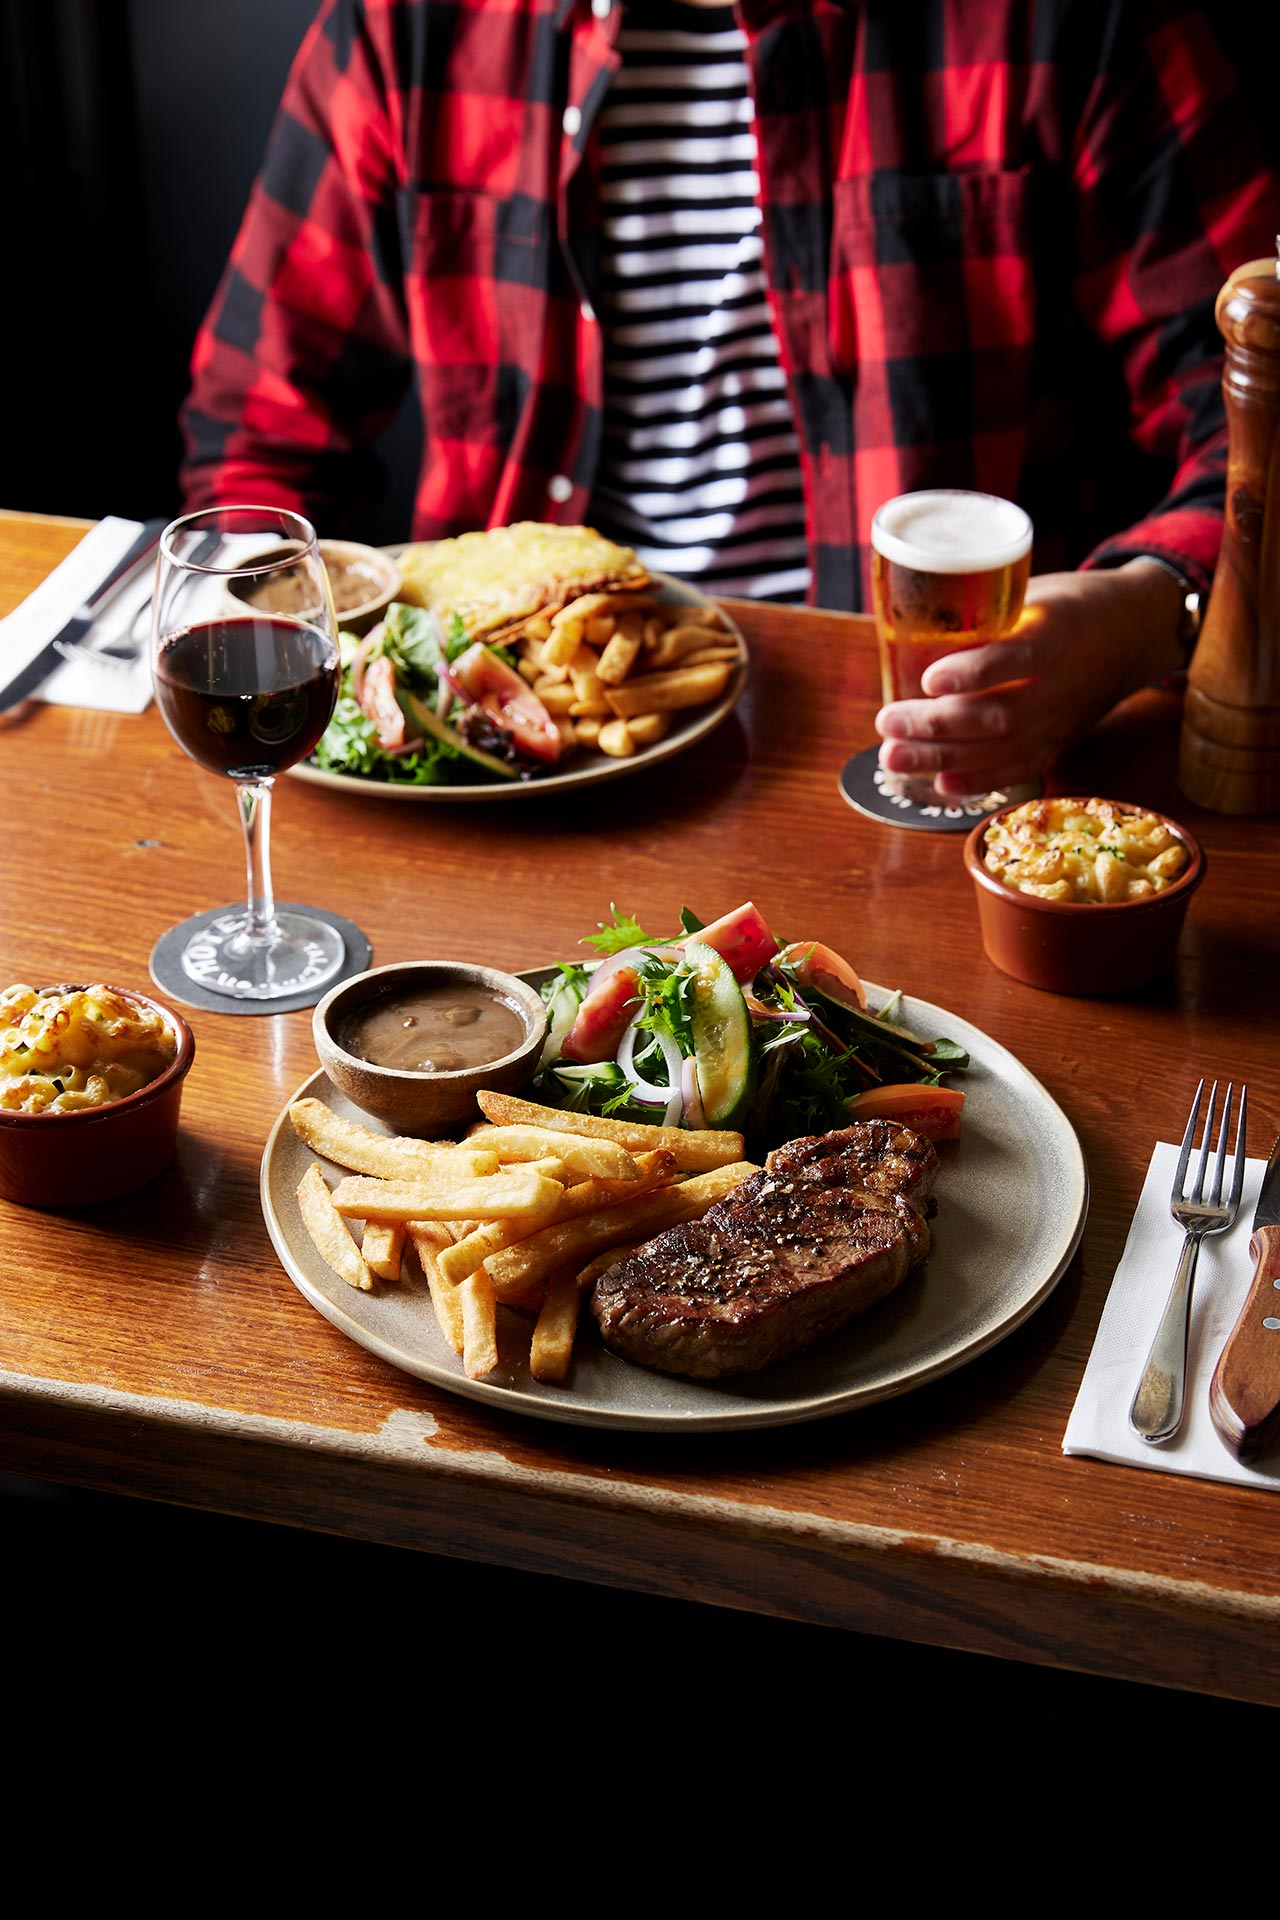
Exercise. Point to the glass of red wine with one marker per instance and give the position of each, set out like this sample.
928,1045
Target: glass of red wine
245,667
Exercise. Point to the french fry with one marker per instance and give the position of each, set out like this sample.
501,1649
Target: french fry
479,1325
564,639
474,1249
690,636
617,740
558,697
646,729
328,1231
429,1241
571,1242
552,1343
587,729
711,655
695,1150
668,692
603,1159
391,1157
619,656
588,1275
590,691
516,1193
382,1247
599,630
457,1261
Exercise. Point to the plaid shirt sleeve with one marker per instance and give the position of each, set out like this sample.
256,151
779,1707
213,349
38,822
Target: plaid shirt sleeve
1171,195
304,355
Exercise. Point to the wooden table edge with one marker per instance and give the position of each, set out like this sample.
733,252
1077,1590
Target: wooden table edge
388,1489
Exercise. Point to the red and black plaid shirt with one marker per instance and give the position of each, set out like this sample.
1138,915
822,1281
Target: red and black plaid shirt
994,233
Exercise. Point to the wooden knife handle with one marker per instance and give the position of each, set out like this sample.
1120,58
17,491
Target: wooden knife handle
1244,1394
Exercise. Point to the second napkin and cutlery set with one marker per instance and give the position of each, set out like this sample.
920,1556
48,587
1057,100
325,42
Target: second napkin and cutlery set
1244,1394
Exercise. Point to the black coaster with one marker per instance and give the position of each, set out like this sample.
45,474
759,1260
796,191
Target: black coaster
862,784
168,974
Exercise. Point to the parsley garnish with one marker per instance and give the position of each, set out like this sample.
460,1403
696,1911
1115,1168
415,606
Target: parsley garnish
625,932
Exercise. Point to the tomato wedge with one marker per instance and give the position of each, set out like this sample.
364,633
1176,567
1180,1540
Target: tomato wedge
508,700
932,1111
823,969
378,700
610,1002
741,938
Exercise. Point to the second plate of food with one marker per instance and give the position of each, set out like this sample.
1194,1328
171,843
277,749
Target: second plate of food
685,728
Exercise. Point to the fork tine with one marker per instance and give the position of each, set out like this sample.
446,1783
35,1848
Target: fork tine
1197,1192
1187,1138
1215,1194
1237,1172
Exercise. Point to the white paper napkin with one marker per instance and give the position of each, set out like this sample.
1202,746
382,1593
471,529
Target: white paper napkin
83,683
1099,1422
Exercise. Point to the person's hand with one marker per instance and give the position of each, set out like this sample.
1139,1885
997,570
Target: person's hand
997,714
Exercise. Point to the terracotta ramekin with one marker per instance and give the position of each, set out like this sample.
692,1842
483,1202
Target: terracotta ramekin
98,1153
1095,948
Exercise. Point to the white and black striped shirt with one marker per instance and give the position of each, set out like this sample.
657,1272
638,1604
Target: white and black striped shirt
700,466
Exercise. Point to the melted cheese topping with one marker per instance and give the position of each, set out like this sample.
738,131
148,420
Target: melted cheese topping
498,579
81,1048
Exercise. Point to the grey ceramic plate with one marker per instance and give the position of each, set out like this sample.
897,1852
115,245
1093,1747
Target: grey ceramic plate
689,727
1012,1200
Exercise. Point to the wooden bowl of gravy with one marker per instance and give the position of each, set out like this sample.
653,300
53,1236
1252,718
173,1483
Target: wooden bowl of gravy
414,1042
364,581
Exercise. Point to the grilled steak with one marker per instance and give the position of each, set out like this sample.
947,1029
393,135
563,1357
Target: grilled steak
791,1255
871,1153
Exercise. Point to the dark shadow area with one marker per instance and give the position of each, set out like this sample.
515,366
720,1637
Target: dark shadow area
212,1611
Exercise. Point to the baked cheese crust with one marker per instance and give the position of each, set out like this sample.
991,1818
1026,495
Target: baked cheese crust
496,580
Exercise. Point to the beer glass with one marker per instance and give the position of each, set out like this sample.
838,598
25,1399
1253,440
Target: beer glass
948,570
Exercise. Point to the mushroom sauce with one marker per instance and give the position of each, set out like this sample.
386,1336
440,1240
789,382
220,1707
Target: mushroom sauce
443,1029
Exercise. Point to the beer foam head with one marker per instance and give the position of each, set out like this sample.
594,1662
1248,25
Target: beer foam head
947,531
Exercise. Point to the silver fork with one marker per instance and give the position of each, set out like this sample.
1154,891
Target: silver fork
1156,1412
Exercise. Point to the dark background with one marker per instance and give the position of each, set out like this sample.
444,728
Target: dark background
133,130
132,133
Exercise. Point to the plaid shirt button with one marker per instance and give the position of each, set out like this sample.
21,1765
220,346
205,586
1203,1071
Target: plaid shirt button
601,8
571,121
587,311
560,487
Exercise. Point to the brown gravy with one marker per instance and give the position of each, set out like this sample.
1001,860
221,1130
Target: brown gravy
434,1029
292,591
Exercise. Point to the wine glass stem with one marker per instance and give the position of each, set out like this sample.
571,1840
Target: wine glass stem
254,797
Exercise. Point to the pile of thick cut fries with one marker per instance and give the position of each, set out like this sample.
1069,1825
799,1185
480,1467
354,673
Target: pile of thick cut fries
526,1212
612,668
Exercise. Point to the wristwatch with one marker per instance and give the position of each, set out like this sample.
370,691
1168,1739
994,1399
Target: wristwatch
1191,618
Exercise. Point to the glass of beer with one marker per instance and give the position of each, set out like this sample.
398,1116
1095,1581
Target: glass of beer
948,571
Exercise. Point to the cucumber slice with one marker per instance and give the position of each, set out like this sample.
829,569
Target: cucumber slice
724,1050
427,721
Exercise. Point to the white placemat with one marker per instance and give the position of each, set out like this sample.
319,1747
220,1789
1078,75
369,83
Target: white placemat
83,683
1099,1423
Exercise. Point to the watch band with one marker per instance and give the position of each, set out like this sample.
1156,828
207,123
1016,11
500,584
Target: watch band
1192,616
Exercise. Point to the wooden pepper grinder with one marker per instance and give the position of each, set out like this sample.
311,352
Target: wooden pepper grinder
1230,759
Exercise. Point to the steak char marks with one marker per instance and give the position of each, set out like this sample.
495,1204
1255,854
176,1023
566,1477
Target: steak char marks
833,1224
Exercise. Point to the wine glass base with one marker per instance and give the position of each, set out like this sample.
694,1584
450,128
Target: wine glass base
222,957
882,796
173,979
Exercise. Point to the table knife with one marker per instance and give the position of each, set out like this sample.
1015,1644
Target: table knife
123,574
1244,1394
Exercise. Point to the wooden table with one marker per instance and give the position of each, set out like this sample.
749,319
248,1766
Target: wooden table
155,1347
